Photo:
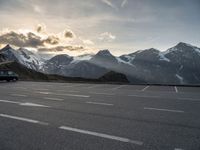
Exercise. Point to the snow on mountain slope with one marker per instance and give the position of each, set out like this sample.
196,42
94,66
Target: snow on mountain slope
163,58
29,58
23,56
177,65
79,58
125,62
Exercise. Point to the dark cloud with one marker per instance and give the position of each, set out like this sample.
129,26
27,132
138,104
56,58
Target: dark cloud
52,40
21,40
62,48
39,29
69,34
27,40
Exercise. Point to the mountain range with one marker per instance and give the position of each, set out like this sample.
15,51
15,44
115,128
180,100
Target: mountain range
177,65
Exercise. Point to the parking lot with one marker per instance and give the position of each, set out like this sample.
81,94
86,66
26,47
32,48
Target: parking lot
77,116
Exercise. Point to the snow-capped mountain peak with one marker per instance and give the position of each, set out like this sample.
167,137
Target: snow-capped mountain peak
178,65
7,47
104,53
23,56
182,48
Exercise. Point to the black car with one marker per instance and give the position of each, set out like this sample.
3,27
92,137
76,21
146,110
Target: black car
8,75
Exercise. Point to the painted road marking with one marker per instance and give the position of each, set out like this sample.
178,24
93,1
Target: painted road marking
178,149
143,96
24,104
119,87
110,94
102,135
176,89
44,93
67,91
73,95
168,110
7,101
23,119
20,95
98,103
144,89
54,99
33,105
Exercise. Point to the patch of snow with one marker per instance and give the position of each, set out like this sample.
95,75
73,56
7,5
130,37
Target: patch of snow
163,58
180,78
197,50
77,59
122,61
181,67
30,59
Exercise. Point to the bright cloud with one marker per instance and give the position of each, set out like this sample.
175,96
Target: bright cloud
107,37
45,42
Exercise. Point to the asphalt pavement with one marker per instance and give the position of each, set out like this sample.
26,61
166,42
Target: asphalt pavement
81,116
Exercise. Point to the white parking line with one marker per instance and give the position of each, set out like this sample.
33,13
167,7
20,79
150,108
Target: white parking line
33,105
44,93
176,89
24,104
7,101
98,103
178,149
143,96
20,95
23,119
118,87
110,94
168,110
144,89
102,135
54,99
73,95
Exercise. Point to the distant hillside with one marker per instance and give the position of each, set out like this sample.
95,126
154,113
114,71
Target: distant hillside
114,77
29,74
178,65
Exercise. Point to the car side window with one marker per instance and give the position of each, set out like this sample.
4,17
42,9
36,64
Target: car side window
10,73
2,73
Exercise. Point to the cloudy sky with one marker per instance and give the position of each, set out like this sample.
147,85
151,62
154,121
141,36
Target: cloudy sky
85,26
